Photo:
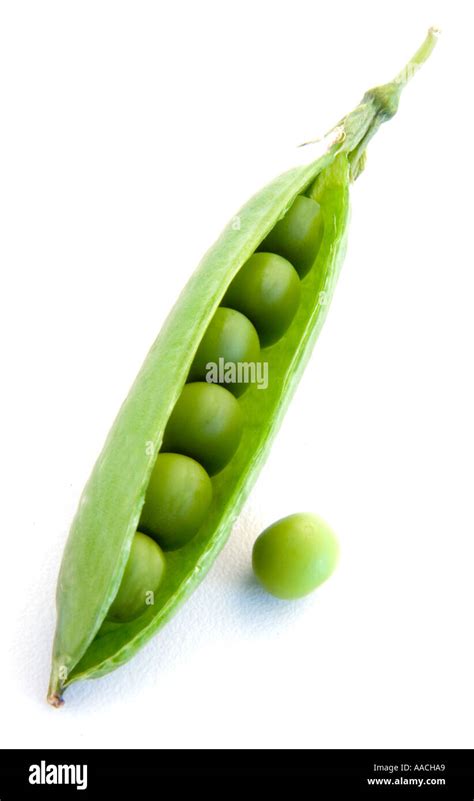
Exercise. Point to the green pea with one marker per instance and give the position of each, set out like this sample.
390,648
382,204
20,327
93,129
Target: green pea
232,340
267,290
177,500
206,424
142,577
298,235
295,555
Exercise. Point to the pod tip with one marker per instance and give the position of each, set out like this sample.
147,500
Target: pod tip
54,699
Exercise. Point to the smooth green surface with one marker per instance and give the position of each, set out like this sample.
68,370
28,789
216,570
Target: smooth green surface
177,500
110,506
295,555
298,235
206,424
232,338
268,291
141,579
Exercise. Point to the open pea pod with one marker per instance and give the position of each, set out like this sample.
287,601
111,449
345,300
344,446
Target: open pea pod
109,511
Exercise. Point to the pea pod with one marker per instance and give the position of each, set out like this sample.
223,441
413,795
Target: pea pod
86,644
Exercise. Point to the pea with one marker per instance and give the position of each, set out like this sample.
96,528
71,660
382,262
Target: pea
295,555
267,290
142,577
206,424
232,339
298,235
177,500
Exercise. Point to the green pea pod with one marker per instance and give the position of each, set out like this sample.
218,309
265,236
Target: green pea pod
109,510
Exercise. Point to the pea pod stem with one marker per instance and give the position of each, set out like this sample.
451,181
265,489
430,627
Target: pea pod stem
379,105
353,133
418,59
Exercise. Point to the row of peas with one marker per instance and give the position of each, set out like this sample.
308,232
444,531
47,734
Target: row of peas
205,427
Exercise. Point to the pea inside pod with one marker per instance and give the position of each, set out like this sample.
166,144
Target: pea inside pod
177,501
142,577
298,235
267,290
206,424
163,413
230,343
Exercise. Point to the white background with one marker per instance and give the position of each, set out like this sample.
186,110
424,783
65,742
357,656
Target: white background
130,133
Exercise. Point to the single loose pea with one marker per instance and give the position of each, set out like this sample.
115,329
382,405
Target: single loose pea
298,235
295,555
206,424
177,500
142,577
230,343
267,290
